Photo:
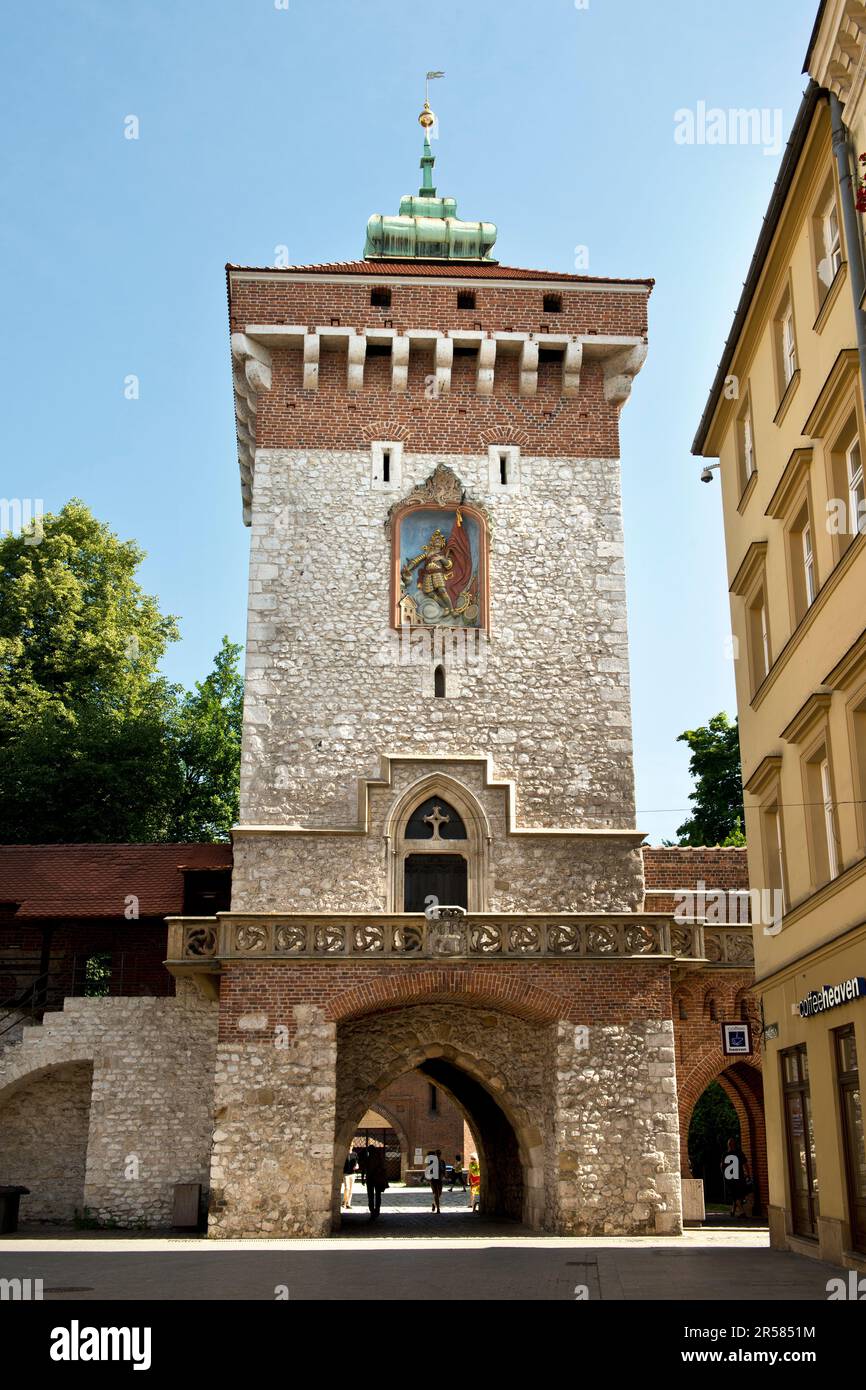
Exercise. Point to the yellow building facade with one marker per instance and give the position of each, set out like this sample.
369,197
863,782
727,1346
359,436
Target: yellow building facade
785,419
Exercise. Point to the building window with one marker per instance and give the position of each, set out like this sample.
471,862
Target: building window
832,244
439,683
789,345
856,490
386,465
746,444
854,1138
759,639
808,563
774,848
465,299
504,464
821,817
803,573
553,303
802,1169
829,819
434,1099
380,296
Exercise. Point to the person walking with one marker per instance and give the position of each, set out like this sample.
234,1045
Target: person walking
374,1179
474,1182
457,1174
434,1172
735,1171
350,1171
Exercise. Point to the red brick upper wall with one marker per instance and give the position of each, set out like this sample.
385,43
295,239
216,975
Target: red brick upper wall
459,420
517,307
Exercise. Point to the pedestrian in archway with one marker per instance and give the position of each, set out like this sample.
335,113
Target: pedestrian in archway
474,1182
374,1179
735,1171
457,1173
350,1171
434,1172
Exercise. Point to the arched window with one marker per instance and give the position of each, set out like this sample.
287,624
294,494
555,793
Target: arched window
435,819
439,682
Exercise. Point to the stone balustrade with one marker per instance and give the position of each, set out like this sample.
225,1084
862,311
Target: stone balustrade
206,941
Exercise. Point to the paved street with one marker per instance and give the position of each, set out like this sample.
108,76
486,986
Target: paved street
410,1254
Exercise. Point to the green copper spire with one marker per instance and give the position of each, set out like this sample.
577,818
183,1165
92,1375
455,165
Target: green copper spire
428,159
427,227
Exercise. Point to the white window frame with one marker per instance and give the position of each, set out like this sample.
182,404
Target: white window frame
832,243
748,444
856,487
765,636
780,853
808,563
829,819
789,345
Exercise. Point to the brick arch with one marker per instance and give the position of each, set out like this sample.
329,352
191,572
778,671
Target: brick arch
448,985
742,1082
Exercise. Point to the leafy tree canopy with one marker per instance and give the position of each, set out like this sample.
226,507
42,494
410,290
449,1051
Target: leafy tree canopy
718,815
95,745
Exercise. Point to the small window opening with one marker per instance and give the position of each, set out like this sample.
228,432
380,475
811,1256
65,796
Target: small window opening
465,299
553,303
439,683
465,352
503,469
380,295
386,465
378,349
681,1009
97,975
550,354
434,1099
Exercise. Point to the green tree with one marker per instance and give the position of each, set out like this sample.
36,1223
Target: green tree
207,745
718,815
94,743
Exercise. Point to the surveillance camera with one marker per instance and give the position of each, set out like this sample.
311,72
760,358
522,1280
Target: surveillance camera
706,476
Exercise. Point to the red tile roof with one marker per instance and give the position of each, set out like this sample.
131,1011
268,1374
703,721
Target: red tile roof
76,881
475,270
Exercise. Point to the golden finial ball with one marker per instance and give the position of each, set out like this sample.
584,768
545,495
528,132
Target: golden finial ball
427,119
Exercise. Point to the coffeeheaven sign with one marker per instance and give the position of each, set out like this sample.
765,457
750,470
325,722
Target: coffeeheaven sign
831,996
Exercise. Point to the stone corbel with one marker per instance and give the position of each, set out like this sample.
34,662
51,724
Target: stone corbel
442,363
255,361
572,361
251,373
620,371
528,368
486,367
399,364
356,359
312,345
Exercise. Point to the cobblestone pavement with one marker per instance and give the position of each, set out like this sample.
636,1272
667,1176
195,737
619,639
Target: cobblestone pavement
712,1265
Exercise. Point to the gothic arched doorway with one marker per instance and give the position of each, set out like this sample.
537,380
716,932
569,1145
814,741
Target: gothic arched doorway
485,1062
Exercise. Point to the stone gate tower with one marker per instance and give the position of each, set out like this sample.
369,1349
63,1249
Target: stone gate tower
437,717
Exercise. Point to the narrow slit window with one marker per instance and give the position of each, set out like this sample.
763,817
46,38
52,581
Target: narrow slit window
439,683
386,465
503,469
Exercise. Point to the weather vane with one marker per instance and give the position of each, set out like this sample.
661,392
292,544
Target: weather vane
427,119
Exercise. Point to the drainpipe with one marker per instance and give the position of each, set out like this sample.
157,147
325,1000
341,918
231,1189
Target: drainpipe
853,232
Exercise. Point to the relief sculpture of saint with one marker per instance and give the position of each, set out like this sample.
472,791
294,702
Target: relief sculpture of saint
439,568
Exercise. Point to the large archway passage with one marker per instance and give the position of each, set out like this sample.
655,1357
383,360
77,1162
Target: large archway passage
742,1084
44,1122
494,1067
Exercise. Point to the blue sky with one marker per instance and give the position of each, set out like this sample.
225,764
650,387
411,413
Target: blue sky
263,126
